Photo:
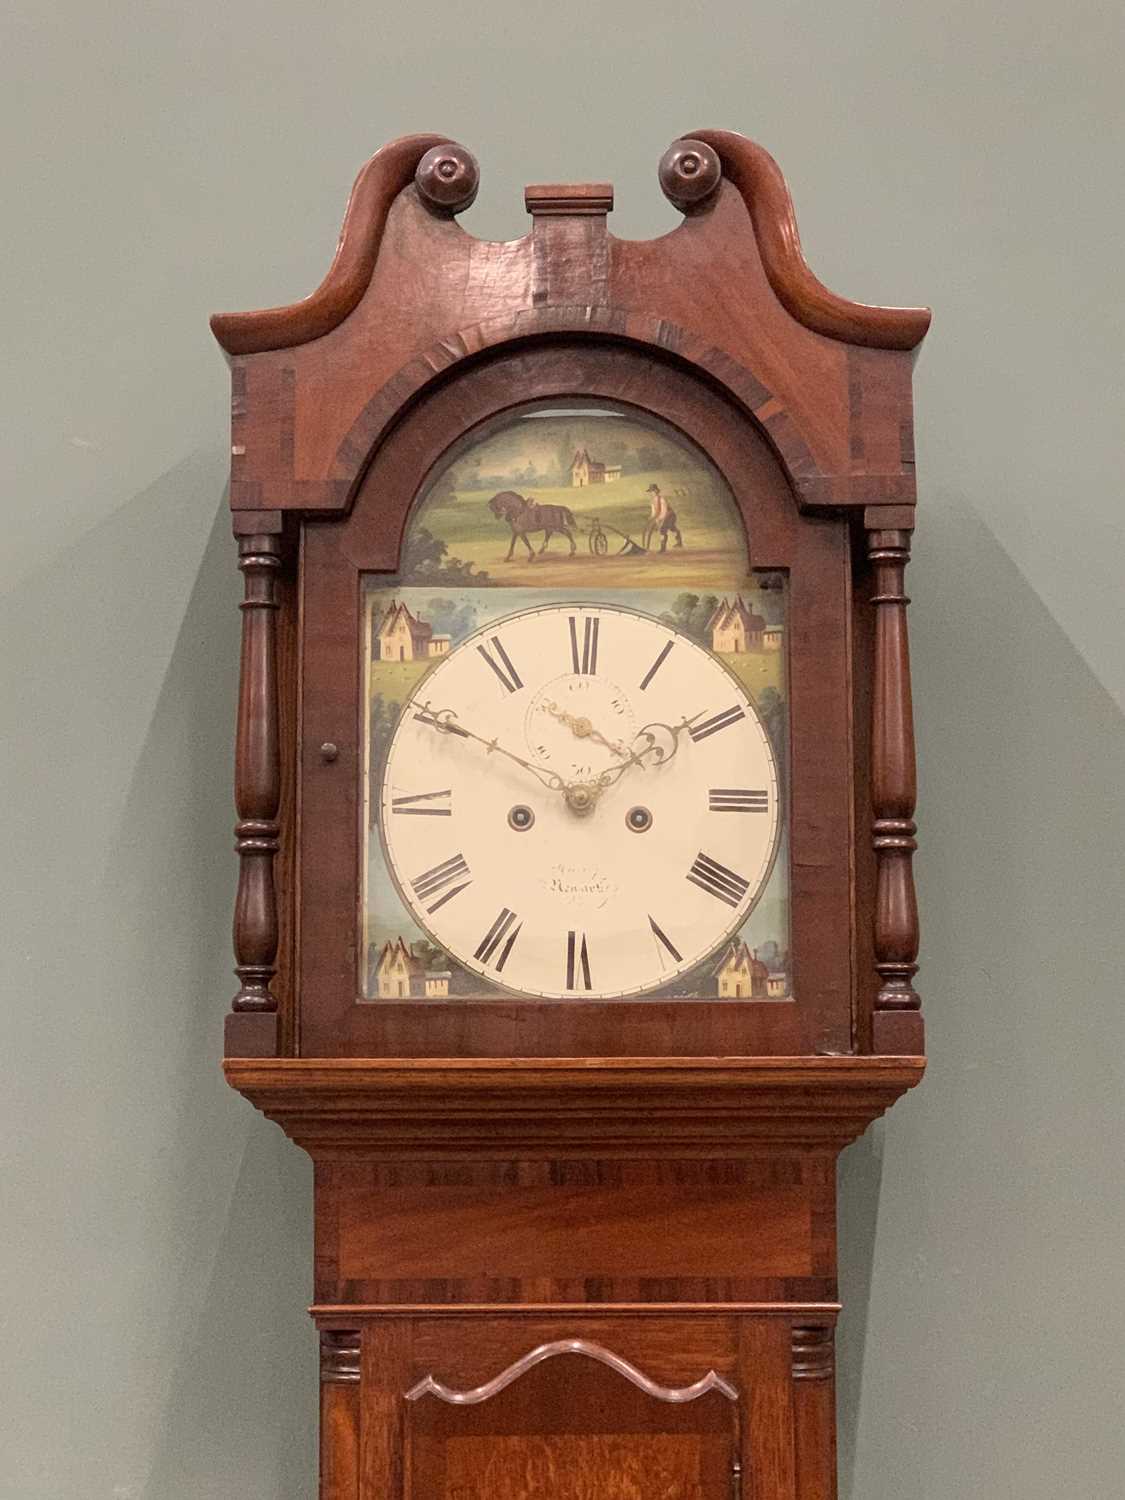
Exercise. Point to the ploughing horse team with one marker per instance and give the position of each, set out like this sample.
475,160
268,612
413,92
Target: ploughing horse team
527,517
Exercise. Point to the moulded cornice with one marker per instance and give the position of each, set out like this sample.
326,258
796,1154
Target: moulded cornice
603,1107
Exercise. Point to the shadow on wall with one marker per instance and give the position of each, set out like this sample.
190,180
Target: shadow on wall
975,1220
168,1224
242,1395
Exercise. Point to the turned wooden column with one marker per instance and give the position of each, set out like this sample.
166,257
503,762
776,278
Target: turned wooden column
339,1414
814,1409
893,797
257,778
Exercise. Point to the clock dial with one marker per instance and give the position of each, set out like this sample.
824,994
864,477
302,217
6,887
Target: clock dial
556,808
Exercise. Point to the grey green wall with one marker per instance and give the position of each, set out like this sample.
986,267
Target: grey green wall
171,159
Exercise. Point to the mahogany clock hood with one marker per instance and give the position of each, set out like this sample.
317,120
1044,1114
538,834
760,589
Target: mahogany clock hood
571,1231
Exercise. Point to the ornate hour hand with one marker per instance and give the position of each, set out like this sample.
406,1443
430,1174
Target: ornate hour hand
582,729
444,720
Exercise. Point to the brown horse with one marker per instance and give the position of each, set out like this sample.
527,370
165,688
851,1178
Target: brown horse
524,516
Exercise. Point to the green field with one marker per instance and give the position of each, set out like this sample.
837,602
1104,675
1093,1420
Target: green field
712,556
396,679
756,670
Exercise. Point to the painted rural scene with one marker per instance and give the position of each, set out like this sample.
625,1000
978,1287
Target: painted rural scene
409,628
555,498
581,505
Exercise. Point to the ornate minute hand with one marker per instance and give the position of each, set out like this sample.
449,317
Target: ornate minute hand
661,753
582,729
444,721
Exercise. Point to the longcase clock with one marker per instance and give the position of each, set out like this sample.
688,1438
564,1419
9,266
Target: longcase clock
575,928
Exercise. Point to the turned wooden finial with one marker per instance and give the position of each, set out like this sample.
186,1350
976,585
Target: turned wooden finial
690,172
448,178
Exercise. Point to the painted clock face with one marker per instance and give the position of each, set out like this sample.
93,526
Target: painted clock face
579,801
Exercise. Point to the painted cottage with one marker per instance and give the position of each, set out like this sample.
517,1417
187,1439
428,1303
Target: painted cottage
585,470
741,975
734,627
401,636
401,976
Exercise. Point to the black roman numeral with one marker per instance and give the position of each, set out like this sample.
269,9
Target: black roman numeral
737,799
407,805
717,880
577,962
500,930
588,660
715,723
662,937
657,664
431,881
504,670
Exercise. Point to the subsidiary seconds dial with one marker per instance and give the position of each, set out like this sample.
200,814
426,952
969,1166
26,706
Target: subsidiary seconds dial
580,802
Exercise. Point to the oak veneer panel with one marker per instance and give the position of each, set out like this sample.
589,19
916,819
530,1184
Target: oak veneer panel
596,1466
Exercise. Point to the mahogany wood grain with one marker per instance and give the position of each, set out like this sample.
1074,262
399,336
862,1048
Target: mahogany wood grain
600,1231
764,1370
285,980
628,1316
387,1373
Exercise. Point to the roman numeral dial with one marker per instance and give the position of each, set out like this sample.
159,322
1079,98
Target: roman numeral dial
723,720
499,940
573,802
501,663
717,880
738,799
424,805
584,658
577,962
449,878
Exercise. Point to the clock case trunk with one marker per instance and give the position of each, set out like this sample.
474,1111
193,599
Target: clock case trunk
559,1246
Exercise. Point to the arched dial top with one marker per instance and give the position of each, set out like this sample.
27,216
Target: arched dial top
580,765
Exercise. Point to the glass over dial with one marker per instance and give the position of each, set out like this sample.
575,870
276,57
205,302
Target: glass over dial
580,802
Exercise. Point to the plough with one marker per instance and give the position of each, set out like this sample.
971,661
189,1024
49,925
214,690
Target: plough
598,541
